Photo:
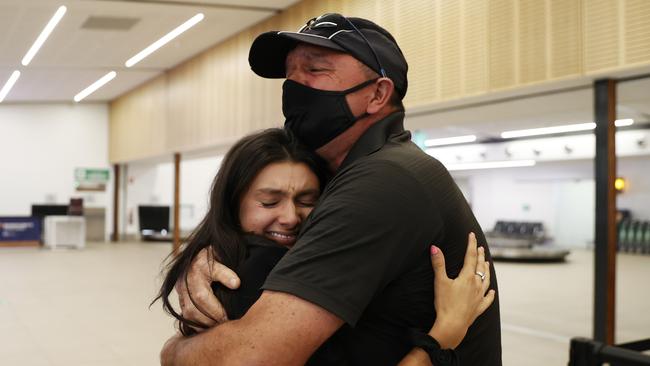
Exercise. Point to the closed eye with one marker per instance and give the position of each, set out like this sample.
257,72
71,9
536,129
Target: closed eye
306,203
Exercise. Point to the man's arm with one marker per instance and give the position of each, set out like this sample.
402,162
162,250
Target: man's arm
279,329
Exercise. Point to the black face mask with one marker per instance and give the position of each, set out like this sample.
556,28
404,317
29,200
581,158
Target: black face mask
317,116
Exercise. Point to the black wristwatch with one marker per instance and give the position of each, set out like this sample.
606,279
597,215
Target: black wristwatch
438,356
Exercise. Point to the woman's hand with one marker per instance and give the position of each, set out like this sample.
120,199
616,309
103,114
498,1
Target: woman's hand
202,306
461,300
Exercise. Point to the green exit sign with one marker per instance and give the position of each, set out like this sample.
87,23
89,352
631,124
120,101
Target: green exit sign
91,179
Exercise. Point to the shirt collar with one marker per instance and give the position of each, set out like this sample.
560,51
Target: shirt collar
375,137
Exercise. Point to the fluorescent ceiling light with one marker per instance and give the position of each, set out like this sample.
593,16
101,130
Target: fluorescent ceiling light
624,122
164,40
560,129
44,34
491,165
94,86
9,84
450,140
548,130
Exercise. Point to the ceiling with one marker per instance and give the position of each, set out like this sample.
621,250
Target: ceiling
74,56
489,117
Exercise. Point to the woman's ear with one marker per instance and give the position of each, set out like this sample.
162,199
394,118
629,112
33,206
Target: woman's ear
383,92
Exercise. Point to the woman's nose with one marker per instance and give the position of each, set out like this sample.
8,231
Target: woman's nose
289,216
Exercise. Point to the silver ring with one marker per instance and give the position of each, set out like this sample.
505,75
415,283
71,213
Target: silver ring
481,274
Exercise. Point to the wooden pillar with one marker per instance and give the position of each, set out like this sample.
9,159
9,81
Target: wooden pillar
115,235
605,236
177,203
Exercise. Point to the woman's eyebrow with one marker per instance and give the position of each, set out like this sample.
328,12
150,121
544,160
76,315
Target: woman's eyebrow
270,191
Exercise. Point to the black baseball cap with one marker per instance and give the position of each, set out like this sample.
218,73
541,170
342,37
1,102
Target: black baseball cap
362,39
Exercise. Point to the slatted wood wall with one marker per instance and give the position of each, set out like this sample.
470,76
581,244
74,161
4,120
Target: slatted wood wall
455,48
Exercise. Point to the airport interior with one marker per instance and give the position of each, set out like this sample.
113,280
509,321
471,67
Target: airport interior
115,117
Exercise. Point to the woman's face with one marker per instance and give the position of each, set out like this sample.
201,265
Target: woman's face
279,199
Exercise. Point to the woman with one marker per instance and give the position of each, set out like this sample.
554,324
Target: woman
267,185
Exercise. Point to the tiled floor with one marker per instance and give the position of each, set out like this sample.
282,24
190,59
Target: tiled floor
90,307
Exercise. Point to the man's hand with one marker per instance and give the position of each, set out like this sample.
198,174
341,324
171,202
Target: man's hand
195,295
460,301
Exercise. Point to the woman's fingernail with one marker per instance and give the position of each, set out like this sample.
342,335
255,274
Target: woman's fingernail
434,250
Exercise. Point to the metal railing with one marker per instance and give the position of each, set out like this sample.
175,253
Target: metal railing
587,352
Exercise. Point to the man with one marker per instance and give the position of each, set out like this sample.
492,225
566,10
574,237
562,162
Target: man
361,257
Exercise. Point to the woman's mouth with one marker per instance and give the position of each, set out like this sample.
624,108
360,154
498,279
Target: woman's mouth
282,238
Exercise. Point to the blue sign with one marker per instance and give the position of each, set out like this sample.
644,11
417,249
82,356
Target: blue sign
20,228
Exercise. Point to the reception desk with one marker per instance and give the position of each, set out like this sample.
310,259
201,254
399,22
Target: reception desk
20,231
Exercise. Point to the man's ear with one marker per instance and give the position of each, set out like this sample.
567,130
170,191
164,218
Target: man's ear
381,97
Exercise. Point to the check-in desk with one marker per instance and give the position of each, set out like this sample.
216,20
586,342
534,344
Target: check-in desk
69,231
20,231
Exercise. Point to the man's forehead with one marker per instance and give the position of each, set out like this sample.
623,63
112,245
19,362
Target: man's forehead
311,52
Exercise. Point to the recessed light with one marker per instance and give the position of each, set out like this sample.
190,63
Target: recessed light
548,130
450,140
9,84
60,12
624,122
561,129
164,40
491,165
94,86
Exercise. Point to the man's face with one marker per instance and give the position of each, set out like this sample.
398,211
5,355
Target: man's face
326,69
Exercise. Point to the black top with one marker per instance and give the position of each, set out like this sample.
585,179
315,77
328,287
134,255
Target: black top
363,253
262,255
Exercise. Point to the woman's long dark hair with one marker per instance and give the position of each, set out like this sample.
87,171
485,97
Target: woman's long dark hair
220,228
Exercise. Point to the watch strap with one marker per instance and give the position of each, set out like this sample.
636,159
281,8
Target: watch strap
438,356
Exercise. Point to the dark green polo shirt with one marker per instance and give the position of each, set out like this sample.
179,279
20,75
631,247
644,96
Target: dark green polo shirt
363,253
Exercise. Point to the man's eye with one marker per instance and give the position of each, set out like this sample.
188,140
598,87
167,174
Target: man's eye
306,203
268,204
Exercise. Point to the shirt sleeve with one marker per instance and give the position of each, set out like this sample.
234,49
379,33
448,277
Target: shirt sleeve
252,273
370,224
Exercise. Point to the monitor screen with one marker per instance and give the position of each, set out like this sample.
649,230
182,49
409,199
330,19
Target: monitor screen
49,210
153,218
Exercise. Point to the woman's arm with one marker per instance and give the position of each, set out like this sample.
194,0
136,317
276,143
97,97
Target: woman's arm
458,301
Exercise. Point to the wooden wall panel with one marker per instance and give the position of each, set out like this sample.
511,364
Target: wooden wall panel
450,46
387,16
455,49
138,119
532,41
637,31
565,38
417,35
601,34
474,43
502,44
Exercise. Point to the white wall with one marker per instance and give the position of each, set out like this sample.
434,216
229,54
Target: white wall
152,183
636,170
560,194
40,147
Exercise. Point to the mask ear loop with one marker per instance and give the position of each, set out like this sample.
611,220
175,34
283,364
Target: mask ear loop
381,68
